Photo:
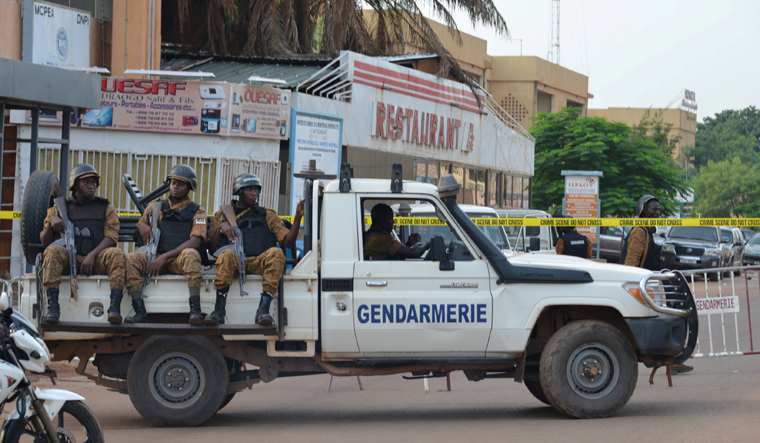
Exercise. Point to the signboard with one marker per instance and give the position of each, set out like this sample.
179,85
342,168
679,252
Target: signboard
60,36
582,200
313,137
720,305
184,107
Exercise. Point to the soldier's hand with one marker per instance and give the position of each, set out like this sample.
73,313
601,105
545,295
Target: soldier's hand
229,231
87,265
299,209
145,233
413,239
56,223
156,265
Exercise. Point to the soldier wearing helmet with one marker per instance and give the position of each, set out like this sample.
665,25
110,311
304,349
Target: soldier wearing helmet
639,248
183,230
262,229
570,242
96,233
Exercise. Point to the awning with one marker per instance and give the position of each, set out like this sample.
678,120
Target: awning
293,73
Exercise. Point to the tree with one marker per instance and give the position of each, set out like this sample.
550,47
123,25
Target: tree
656,130
728,189
287,27
632,165
729,134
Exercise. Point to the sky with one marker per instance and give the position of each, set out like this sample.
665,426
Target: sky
642,53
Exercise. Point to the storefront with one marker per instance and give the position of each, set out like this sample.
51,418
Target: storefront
392,114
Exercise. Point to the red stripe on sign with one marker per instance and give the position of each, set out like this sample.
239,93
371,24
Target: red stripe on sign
408,77
411,94
440,90
405,88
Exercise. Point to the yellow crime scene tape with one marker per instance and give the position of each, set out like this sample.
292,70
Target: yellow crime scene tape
531,221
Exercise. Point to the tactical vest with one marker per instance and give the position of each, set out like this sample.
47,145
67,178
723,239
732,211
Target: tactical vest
89,220
652,260
575,244
175,225
257,237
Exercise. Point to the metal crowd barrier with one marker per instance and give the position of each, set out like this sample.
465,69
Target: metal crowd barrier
723,329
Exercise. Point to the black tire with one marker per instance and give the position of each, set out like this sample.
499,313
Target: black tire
226,401
534,387
86,427
232,365
600,349
155,380
41,189
712,276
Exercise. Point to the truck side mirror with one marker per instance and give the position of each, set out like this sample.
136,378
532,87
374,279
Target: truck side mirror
724,240
535,244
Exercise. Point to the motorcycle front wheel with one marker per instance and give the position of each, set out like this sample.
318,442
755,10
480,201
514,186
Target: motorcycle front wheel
75,423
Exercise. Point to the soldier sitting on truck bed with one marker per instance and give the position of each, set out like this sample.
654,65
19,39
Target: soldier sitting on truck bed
262,229
183,228
380,244
96,232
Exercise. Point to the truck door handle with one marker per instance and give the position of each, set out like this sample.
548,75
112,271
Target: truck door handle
377,282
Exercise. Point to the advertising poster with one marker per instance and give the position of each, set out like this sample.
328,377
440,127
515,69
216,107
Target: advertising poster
314,137
259,112
60,36
582,200
187,107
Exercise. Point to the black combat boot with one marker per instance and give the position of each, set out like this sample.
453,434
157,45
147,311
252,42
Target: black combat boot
53,309
217,317
196,318
141,315
114,311
262,314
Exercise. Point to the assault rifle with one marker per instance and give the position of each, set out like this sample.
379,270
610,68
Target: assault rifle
68,241
152,247
229,213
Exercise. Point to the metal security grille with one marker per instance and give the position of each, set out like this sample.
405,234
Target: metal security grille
215,175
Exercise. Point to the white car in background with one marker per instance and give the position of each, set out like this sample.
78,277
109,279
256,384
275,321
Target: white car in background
520,236
496,234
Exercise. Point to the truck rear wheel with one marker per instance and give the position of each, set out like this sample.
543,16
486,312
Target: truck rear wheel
535,388
588,369
177,381
40,191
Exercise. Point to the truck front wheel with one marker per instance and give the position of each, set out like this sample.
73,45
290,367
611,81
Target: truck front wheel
177,380
588,369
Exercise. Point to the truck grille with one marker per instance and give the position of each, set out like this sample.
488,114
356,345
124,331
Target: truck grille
687,250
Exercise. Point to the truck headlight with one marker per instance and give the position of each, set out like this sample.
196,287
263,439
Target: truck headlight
654,291
668,248
711,252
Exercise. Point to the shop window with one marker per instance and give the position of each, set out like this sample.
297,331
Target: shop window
506,189
458,173
493,189
517,193
471,186
544,102
526,193
480,195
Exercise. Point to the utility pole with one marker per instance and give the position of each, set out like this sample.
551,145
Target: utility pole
554,52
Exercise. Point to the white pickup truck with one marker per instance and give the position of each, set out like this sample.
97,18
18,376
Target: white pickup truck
572,330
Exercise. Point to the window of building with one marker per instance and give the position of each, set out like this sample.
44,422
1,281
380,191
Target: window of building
517,193
506,199
526,193
493,189
458,173
544,102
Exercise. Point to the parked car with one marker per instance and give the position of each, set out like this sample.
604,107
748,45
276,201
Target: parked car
752,251
735,247
519,237
695,247
748,234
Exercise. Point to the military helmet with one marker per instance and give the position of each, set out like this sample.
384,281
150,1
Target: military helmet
184,173
244,181
642,203
81,171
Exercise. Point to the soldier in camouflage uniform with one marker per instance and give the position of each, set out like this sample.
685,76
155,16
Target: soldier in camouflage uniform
262,229
380,244
183,230
96,233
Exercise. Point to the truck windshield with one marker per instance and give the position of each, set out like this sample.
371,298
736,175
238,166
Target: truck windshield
494,233
694,233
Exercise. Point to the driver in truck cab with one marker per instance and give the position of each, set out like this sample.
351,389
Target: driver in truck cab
183,229
96,233
380,244
262,229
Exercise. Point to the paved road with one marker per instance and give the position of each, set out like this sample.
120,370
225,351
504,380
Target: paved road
719,401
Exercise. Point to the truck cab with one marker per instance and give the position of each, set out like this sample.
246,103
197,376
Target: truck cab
572,330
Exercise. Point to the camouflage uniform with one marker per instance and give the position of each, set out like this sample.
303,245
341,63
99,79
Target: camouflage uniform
110,261
270,264
380,245
188,263
638,246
